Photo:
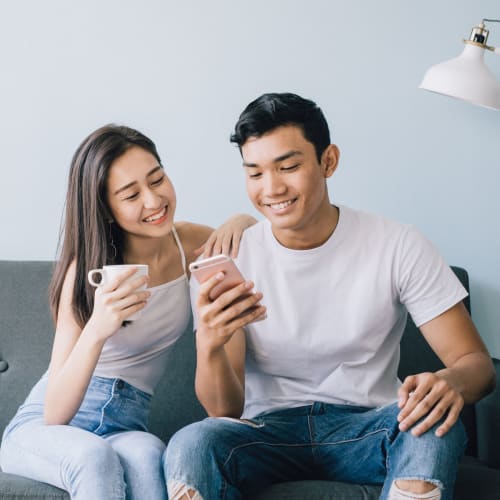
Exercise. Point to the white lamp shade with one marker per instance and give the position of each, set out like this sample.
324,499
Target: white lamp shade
465,77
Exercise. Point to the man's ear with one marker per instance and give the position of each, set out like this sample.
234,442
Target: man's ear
330,160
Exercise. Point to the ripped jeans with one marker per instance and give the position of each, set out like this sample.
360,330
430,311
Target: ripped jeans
225,458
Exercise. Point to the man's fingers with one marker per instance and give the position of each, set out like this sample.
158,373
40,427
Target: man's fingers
206,287
451,419
240,320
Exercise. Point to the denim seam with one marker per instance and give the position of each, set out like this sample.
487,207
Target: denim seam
297,445
224,489
309,426
107,403
386,431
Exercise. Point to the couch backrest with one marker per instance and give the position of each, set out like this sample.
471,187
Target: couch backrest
26,335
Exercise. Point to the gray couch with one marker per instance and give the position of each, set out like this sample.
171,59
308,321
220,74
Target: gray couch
25,340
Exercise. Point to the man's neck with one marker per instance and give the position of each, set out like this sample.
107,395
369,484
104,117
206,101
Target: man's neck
314,235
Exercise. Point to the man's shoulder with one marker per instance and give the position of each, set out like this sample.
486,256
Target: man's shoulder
369,226
256,234
254,243
371,218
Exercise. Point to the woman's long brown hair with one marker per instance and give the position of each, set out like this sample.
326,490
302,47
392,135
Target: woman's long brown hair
88,226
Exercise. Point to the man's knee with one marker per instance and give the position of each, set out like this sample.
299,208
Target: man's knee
448,448
190,445
195,441
410,489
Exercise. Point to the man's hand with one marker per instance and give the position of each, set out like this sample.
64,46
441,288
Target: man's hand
219,319
426,398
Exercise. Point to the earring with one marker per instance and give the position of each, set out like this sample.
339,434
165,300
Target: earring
112,242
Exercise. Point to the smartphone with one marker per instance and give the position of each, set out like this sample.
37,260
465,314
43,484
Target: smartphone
206,268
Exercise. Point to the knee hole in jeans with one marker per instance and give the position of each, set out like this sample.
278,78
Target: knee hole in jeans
396,493
180,491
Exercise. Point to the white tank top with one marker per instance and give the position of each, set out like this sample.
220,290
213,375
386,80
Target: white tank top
137,352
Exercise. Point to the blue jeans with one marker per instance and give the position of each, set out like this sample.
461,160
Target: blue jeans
224,458
104,453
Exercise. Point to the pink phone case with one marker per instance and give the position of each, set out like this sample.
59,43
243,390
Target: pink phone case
206,268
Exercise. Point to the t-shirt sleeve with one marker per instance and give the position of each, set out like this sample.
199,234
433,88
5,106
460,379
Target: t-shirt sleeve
427,285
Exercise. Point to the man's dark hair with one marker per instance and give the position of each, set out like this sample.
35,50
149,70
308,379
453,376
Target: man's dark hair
270,111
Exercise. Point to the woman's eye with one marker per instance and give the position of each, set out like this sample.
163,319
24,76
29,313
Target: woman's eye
132,196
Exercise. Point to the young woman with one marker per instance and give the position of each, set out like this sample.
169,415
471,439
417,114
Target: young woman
83,426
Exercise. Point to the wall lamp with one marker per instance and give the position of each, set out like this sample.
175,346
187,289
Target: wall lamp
467,77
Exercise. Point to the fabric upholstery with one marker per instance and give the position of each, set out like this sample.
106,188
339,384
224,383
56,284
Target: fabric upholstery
26,334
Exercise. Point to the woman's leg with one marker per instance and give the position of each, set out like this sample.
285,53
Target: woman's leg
140,454
70,458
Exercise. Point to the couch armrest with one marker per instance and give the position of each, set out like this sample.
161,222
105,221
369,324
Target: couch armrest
488,424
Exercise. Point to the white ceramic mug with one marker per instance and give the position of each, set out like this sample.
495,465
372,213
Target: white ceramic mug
108,273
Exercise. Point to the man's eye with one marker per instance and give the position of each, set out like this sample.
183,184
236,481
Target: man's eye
254,176
291,167
157,182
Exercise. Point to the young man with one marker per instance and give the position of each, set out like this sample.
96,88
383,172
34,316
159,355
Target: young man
312,389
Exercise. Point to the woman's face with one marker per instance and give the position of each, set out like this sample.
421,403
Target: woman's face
140,195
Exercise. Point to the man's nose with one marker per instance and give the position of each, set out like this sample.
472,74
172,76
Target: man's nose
273,184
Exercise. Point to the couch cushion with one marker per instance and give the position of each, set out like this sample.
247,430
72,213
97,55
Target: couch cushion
26,331
318,490
16,488
474,480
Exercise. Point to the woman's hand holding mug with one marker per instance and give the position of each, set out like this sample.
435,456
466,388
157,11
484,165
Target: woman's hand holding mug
120,295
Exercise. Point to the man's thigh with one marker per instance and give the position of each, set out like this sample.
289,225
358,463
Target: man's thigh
350,444
247,454
366,446
334,442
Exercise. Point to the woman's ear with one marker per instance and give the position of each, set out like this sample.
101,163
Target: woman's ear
330,160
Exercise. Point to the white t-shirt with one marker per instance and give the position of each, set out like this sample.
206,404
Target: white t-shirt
336,313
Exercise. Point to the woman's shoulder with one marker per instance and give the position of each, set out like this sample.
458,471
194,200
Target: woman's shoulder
192,235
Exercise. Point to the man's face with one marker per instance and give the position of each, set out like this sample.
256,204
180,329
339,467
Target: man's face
285,181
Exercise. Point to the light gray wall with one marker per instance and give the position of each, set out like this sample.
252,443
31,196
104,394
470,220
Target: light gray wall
182,72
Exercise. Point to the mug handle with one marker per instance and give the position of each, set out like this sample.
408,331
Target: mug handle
90,276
